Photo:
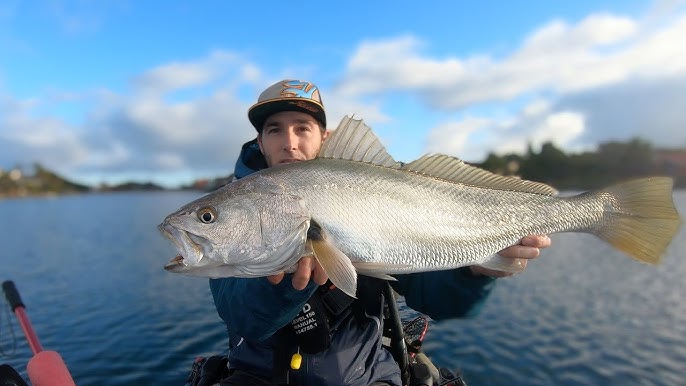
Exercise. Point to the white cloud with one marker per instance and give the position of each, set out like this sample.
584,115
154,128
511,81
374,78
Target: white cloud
456,137
174,76
181,75
50,139
473,138
170,161
599,50
560,128
390,65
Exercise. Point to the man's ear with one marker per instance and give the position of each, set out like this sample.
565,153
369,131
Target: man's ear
259,142
325,134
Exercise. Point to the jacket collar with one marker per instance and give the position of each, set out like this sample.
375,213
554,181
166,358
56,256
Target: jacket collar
250,160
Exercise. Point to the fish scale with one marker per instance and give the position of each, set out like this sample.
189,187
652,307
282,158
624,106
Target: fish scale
420,223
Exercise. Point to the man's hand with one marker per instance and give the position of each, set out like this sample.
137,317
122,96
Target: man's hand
308,268
528,248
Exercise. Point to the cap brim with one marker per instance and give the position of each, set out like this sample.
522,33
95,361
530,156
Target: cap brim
260,111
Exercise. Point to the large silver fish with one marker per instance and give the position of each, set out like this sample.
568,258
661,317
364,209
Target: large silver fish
359,211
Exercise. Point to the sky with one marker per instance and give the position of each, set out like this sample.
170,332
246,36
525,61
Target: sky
118,91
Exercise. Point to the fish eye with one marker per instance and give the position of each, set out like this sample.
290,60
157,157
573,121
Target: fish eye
207,215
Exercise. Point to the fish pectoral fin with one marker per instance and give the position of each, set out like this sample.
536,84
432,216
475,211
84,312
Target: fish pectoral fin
337,265
504,264
375,269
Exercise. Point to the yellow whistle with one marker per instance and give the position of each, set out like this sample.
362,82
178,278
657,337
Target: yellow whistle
296,361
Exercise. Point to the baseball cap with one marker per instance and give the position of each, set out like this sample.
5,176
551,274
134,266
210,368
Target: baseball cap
287,95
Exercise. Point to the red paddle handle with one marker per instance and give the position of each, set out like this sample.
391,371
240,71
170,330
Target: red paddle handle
14,299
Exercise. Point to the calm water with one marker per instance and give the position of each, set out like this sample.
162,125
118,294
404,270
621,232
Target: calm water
89,269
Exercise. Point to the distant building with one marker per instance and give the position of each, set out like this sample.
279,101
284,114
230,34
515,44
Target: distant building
671,162
15,174
201,184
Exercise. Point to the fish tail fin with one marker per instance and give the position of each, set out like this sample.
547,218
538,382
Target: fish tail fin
645,219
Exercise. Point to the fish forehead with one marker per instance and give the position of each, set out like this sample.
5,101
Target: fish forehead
262,202
239,194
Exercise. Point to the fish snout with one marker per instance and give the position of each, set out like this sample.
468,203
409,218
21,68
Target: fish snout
191,248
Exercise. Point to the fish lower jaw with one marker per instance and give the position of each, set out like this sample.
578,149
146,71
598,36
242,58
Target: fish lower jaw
183,260
176,262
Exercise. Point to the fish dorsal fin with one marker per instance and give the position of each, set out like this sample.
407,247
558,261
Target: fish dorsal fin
355,141
453,169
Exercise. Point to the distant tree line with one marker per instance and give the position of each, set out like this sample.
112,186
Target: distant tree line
611,162
42,181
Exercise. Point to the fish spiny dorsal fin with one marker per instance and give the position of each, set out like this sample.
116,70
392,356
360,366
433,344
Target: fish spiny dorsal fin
355,141
453,169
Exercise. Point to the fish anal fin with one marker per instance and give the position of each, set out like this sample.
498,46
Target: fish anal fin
336,265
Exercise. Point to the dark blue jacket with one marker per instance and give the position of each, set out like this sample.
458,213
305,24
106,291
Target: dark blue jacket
254,310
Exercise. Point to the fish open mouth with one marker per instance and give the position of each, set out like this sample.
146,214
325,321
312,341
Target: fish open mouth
191,248
175,263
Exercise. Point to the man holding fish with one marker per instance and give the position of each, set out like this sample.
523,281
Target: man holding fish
301,317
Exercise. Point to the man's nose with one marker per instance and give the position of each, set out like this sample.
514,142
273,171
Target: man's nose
291,141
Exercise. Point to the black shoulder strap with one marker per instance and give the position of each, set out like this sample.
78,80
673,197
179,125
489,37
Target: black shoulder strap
394,326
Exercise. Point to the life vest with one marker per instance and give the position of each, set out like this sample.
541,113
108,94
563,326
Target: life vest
311,330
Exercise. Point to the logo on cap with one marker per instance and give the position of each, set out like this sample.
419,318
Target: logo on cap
298,89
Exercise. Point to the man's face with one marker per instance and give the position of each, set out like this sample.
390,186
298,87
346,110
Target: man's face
290,136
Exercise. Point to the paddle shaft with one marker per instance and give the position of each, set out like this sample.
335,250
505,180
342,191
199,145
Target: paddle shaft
17,305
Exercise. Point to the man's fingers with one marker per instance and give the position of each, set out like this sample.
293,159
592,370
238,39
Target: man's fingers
528,247
479,270
303,273
520,251
307,269
536,241
276,279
